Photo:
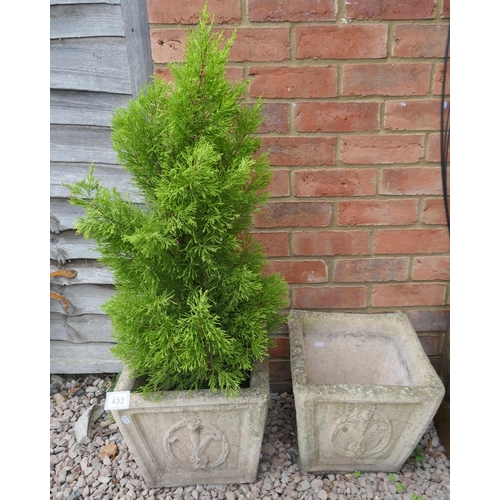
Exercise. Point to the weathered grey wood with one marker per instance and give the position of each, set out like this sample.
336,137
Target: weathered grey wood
80,329
88,271
94,357
86,20
85,299
79,107
109,175
64,213
68,245
78,143
135,17
67,2
100,57
95,64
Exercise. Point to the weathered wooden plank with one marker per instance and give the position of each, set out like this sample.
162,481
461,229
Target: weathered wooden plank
93,357
88,272
68,245
79,143
136,23
85,299
68,2
85,20
80,107
80,329
109,175
64,214
96,64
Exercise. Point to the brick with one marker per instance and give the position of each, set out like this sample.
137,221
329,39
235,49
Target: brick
168,45
435,362
273,244
251,44
377,212
372,270
287,82
390,9
284,10
446,9
294,271
281,348
182,12
280,184
233,74
330,243
429,320
420,40
335,182
281,387
408,294
413,115
411,181
341,42
307,151
437,86
336,116
381,149
324,297
429,343
260,44
434,148
434,212
431,268
294,214
276,118
411,241
279,370
399,79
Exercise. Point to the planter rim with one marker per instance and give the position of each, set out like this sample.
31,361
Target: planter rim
259,386
432,386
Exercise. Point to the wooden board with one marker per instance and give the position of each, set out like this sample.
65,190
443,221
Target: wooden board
88,271
85,299
109,175
78,107
64,214
86,20
135,17
69,245
80,329
93,357
96,64
75,143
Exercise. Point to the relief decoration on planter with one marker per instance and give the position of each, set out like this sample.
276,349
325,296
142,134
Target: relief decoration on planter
359,432
195,437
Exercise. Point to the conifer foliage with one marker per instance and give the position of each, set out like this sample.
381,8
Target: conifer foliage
191,307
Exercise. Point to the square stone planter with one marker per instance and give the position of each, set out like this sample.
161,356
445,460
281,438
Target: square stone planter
365,391
196,437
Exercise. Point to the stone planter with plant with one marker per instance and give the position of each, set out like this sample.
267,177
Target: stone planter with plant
192,311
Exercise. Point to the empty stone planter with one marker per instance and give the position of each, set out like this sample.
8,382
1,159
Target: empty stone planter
202,437
365,391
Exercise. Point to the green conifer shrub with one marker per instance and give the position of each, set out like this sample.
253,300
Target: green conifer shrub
191,308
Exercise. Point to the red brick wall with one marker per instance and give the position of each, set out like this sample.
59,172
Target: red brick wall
356,219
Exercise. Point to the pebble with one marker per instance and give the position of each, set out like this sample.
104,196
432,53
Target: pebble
77,472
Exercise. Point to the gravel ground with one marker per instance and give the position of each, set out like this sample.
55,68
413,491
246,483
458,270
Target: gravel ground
83,471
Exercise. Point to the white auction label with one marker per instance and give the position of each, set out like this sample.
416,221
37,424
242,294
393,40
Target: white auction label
119,400
319,344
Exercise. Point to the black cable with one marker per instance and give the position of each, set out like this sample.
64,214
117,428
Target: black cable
445,135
